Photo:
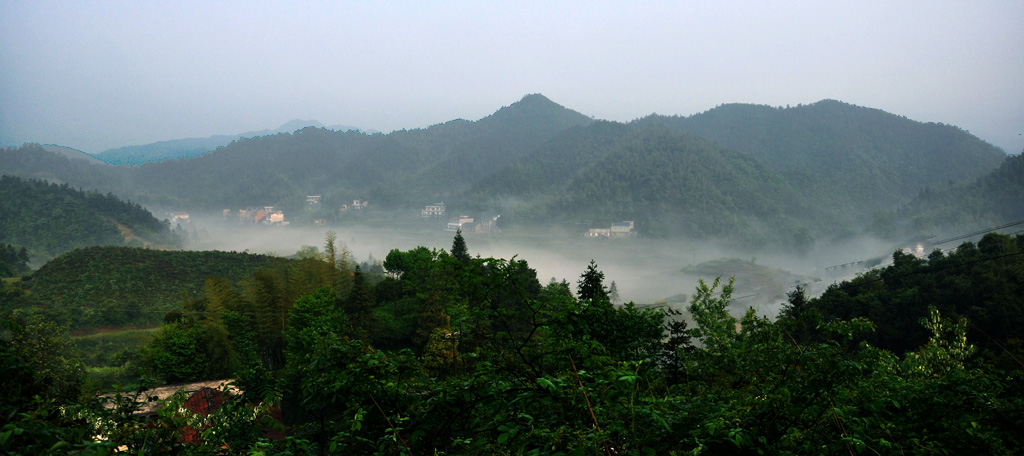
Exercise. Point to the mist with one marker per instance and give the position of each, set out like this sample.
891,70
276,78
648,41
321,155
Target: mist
645,271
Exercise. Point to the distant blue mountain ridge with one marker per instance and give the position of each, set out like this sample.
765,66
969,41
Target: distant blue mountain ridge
191,147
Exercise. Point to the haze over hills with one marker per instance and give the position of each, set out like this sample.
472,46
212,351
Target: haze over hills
190,147
73,154
751,173
993,199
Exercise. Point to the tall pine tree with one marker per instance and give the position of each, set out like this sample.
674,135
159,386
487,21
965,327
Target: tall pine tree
459,249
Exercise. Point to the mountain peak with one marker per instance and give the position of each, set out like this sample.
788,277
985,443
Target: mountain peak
297,124
537,109
536,98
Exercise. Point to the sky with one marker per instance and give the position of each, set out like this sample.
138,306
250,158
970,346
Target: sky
95,75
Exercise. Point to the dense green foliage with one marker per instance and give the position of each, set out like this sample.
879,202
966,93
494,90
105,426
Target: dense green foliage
991,200
13,261
480,358
678,184
119,286
830,148
50,219
982,283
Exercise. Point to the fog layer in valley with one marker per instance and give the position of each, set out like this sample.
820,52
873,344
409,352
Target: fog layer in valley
645,271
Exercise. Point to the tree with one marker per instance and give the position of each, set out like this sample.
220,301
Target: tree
50,356
338,261
359,307
799,317
590,287
715,329
675,346
178,353
627,333
459,250
613,293
313,320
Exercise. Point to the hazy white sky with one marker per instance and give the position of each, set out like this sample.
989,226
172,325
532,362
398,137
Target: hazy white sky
93,75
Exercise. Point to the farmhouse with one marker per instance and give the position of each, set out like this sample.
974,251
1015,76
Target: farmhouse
433,210
456,223
617,230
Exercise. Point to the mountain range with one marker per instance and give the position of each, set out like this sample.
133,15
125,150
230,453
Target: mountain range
755,174
191,147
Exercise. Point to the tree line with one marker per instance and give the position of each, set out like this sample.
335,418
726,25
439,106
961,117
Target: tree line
446,353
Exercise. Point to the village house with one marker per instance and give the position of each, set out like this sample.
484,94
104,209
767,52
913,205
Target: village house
201,398
149,402
179,217
266,216
487,225
313,200
356,204
617,230
622,229
433,210
468,224
456,223
247,215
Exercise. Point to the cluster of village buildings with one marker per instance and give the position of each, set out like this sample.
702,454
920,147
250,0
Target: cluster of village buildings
267,215
463,223
617,230
314,200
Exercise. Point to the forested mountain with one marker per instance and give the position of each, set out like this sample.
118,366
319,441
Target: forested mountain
670,183
190,147
847,158
754,173
49,219
991,200
403,169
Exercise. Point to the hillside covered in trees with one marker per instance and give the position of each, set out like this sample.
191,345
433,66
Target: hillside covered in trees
120,286
446,353
50,219
848,159
823,170
988,201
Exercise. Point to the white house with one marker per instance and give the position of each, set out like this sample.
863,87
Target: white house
433,210
456,223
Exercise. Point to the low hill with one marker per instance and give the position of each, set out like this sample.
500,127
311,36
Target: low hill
992,200
191,147
119,286
50,219
33,161
73,154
